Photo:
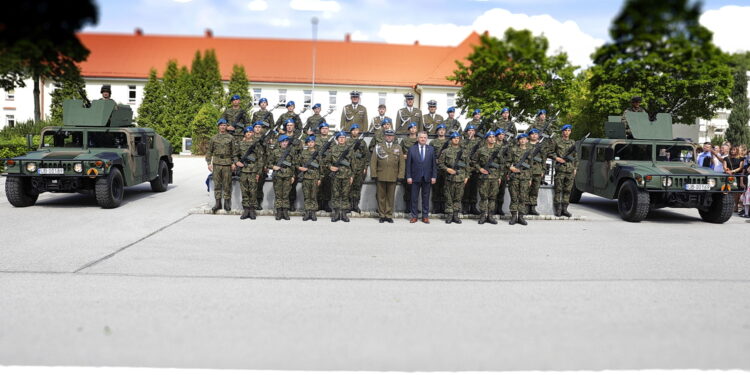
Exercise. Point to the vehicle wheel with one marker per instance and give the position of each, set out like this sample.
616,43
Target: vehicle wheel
18,191
720,210
575,195
110,189
161,182
632,203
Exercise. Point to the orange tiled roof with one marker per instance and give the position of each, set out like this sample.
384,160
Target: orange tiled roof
279,60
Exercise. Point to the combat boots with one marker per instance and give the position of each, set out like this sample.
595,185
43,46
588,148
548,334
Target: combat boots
285,214
306,215
482,218
252,213
355,205
342,216
564,210
491,219
449,218
558,210
500,210
216,206
313,216
532,211
335,215
521,220
327,206
245,213
473,209
456,218
513,218
278,214
227,205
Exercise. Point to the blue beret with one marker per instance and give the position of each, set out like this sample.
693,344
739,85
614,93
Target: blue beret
489,134
522,135
322,125
541,111
316,105
290,103
441,126
506,109
470,127
451,109
499,131
283,138
566,127
310,139
533,130
235,97
354,126
454,135
477,111
221,121
411,125
289,121
385,121
340,134
258,123
262,100
249,129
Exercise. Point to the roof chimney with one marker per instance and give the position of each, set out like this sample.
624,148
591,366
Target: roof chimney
486,33
416,42
209,33
347,37
138,31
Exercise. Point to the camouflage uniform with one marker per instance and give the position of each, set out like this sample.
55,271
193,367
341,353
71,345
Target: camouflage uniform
282,179
507,145
324,190
312,123
340,181
519,182
538,170
360,158
221,153
376,126
564,172
406,143
351,115
479,125
431,121
297,146
404,117
471,188
268,146
453,125
280,123
310,179
492,159
233,116
454,184
508,126
263,115
250,172
438,199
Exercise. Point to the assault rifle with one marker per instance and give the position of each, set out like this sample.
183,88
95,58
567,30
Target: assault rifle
249,155
569,152
312,163
344,154
458,164
490,164
322,119
283,163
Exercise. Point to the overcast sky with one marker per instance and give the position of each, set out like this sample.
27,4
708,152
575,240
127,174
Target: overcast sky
576,27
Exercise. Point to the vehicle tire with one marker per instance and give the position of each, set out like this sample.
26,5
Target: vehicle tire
110,189
575,195
161,182
632,203
720,210
18,191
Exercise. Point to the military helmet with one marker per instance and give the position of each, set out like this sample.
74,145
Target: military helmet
106,88
636,99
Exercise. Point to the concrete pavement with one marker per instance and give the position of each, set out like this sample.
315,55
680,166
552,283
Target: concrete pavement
147,284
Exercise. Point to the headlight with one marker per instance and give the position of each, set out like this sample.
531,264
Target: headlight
78,167
666,181
711,182
31,167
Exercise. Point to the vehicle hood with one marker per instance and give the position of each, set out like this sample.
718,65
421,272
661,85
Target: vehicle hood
69,155
670,168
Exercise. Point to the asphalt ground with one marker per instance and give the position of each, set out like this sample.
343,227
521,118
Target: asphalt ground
150,285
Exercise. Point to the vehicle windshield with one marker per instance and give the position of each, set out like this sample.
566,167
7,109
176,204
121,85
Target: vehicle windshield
107,139
62,138
630,151
679,153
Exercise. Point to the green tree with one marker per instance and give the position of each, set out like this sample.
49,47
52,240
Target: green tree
578,114
239,85
514,71
69,88
203,127
660,51
207,80
153,102
38,41
738,132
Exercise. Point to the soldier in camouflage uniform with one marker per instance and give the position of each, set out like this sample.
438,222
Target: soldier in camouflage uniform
312,122
377,121
380,132
565,170
324,192
490,163
520,180
471,143
281,161
297,146
353,113
455,163
309,166
386,167
451,123
263,114
236,118
251,168
635,106
221,157
261,128
341,177
431,120
538,166
505,122
476,121
407,115
406,143
289,114
503,142
360,158
438,201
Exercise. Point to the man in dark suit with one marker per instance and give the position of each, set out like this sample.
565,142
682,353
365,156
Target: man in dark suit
421,173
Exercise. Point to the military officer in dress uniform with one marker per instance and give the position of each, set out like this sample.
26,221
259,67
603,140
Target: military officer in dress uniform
250,170
454,162
221,156
377,121
353,113
451,123
386,167
431,120
407,115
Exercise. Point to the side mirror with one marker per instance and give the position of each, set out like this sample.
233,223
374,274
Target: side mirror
29,141
609,154
141,148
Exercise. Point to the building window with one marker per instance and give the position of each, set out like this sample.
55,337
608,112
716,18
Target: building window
131,94
282,96
451,96
332,98
257,95
308,98
10,95
10,120
381,97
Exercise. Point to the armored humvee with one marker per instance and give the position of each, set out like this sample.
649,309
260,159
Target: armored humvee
97,151
650,170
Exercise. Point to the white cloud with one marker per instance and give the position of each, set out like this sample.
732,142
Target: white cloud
257,5
280,22
729,25
565,36
360,36
315,5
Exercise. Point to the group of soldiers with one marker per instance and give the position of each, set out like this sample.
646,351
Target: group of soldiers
481,159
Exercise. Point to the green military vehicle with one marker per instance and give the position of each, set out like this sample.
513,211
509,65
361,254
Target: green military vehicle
650,169
97,151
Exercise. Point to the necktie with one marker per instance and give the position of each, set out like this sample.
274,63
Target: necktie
421,151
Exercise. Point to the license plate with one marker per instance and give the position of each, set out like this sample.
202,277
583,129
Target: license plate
51,171
697,187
